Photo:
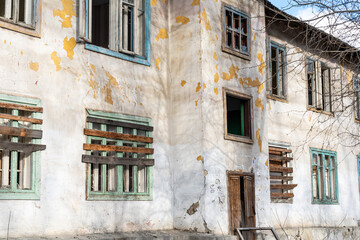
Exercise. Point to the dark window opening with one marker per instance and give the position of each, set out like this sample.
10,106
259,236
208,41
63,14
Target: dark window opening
100,23
238,116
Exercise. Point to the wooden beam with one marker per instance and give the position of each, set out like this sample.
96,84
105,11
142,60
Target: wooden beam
20,118
280,169
117,160
20,132
280,149
112,148
284,178
21,107
21,147
281,195
119,124
113,135
281,158
283,186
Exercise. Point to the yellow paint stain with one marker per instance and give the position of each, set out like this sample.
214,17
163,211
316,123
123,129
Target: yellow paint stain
163,1
112,80
158,60
56,60
92,82
162,34
195,3
34,66
198,87
261,66
205,173
182,20
69,45
93,67
183,82
348,76
259,104
216,91
309,118
267,163
108,97
153,3
269,105
258,138
233,70
21,53
200,158
216,66
4,41
215,56
196,103
66,14
204,86
252,83
206,21
254,36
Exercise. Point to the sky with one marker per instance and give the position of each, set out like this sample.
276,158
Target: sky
296,12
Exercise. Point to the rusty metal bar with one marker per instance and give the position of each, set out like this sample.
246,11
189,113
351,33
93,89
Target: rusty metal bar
257,228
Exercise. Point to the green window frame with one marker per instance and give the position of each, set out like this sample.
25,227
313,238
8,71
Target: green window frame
15,187
324,177
278,70
119,181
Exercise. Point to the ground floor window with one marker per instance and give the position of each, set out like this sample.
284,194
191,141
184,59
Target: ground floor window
20,138
118,156
324,176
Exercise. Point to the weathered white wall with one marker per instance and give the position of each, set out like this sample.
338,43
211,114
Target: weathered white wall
86,80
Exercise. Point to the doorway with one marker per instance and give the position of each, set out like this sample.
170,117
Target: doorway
241,189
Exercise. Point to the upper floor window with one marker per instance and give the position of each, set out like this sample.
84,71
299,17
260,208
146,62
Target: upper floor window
238,119
278,70
21,15
324,176
319,85
20,138
118,156
357,97
236,32
117,28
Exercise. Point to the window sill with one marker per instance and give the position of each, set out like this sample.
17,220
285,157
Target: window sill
238,138
136,59
277,98
19,196
324,202
320,111
19,28
115,197
236,53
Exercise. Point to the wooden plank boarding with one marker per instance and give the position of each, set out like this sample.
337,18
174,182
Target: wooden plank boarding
114,135
283,186
284,150
112,148
21,147
282,195
284,178
119,124
117,160
20,118
21,107
280,169
20,132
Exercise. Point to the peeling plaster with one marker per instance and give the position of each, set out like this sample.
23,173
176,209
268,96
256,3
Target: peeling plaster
69,45
309,118
195,3
204,86
66,14
259,139
92,82
216,91
233,70
215,56
162,34
252,83
153,3
183,82
200,158
34,66
193,208
206,21
198,87
56,60
216,77
182,20
267,163
205,173
259,104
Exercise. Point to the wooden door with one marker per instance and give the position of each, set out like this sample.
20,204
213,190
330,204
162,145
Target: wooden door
242,203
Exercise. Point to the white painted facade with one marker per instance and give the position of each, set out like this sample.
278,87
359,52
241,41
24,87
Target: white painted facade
182,92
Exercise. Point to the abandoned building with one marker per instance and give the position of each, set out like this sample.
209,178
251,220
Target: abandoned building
196,115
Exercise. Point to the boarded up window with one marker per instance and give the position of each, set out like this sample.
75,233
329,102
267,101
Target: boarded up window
280,174
20,137
119,156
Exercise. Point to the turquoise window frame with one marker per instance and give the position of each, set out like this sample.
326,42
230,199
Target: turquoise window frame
119,194
13,192
278,48
244,15
145,60
324,153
